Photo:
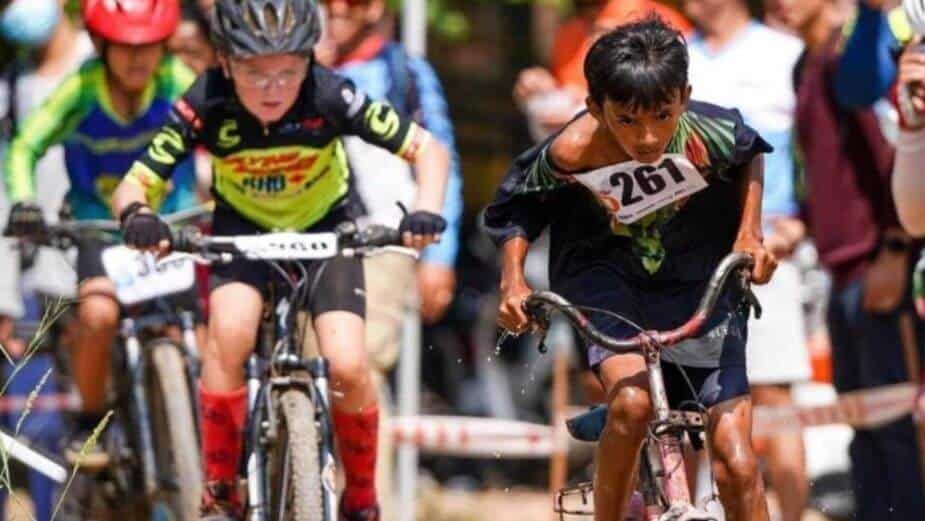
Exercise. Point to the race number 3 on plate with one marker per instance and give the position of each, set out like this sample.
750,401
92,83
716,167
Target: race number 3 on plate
140,277
633,190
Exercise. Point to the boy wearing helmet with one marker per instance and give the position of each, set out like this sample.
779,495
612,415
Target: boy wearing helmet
103,114
272,118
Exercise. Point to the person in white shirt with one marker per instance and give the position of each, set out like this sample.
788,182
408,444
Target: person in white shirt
736,61
56,47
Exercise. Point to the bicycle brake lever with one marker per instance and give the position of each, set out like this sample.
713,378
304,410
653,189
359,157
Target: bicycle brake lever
754,303
541,346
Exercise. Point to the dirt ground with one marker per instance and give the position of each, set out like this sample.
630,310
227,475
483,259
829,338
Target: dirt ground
512,505
442,505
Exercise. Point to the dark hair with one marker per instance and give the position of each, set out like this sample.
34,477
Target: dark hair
642,64
190,12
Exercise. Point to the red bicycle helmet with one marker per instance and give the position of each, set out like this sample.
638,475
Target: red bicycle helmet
132,22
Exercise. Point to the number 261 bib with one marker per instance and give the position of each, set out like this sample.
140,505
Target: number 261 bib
633,190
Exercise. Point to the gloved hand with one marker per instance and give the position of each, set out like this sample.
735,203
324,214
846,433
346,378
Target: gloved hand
26,220
145,230
419,229
422,223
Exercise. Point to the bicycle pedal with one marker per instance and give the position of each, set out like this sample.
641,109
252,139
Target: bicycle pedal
575,501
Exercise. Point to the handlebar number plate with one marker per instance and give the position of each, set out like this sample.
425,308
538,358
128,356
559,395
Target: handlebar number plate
140,277
288,246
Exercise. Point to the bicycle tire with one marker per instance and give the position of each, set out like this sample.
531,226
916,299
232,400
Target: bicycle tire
298,451
175,428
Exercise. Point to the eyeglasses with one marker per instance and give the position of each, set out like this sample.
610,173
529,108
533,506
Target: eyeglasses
258,80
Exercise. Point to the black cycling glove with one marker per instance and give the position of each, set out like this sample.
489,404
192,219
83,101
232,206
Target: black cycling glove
143,230
422,223
26,220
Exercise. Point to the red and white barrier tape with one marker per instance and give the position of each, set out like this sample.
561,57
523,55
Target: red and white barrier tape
41,403
494,438
868,408
485,437
474,437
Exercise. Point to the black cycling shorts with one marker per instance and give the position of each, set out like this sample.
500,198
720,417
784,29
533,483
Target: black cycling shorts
90,266
338,284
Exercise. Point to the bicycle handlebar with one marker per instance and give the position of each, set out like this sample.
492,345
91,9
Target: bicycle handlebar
350,241
537,304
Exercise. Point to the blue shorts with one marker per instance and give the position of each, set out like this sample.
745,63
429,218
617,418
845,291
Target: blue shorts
714,361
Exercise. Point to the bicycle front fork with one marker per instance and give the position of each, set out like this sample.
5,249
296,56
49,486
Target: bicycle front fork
257,480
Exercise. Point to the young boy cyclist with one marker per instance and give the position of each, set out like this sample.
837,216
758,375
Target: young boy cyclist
644,193
272,119
104,115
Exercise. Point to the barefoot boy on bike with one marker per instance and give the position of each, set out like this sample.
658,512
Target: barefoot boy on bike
644,193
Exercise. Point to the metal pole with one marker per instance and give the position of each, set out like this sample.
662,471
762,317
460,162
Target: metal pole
414,26
409,386
414,37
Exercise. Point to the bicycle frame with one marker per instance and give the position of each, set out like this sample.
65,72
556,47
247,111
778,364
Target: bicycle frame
663,475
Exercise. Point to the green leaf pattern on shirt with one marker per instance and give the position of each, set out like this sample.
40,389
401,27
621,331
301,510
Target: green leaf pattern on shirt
707,142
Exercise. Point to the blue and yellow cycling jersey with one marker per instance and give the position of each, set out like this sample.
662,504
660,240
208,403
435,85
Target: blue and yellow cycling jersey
99,145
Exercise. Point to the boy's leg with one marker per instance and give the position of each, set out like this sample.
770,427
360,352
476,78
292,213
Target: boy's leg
630,409
786,457
236,308
740,484
339,306
98,318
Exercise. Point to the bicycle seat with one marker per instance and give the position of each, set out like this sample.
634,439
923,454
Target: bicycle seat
588,426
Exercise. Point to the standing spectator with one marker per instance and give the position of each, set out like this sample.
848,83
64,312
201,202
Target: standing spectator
551,96
852,219
355,46
739,62
191,41
51,46
383,69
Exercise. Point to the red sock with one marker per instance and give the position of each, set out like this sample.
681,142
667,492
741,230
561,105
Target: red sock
223,416
357,437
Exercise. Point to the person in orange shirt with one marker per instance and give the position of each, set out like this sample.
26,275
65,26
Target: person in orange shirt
551,96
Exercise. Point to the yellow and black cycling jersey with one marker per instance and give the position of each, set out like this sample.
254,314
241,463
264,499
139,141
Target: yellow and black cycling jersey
285,176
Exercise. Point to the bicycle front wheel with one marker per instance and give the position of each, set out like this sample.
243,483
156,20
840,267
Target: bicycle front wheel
175,430
294,462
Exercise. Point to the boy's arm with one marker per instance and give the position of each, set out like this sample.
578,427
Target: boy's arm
146,181
379,124
749,238
514,288
48,125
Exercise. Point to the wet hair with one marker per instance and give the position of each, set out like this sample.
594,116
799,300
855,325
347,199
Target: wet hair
642,64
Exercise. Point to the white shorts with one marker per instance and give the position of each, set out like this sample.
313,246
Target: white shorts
776,350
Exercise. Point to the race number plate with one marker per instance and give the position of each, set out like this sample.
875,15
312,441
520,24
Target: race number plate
633,190
140,277
288,246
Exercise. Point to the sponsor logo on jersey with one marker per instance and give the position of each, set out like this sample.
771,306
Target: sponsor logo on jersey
270,164
382,120
228,134
269,184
